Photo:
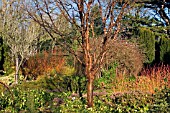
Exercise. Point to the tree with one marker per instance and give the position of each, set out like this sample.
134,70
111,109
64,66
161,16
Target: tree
159,9
77,13
154,16
96,21
19,33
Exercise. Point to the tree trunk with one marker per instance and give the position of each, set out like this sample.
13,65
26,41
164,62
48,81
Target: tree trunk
90,92
16,69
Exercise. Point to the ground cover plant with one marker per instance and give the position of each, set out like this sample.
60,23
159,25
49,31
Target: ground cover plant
40,101
25,101
84,56
146,93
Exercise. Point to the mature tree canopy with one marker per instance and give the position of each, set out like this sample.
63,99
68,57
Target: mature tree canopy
158,9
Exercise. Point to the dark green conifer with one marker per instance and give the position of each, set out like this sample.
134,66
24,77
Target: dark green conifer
165,50
147,40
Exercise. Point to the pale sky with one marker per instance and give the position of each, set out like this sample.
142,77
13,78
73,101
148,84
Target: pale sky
0,2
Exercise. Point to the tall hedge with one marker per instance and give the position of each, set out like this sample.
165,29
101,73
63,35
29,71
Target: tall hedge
147,40
164,46
5,59
1,54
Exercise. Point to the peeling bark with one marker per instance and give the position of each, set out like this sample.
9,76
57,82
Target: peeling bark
90,92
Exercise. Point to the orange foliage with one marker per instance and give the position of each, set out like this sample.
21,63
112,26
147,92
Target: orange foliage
158,76
152,78
44,63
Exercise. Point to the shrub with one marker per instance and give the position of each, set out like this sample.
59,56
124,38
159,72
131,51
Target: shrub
7,63
137,101
147,41
25,100
1,54
128,57
126,54
107,78
156,77
150,78
44,63
161,103
134,101
78,105
164,50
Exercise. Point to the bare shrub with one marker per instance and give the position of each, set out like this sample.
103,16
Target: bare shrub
127,54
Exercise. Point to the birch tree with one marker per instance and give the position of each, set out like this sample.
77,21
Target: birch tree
18,32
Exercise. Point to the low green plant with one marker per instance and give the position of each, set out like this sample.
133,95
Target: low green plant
78,105
128,102
107,77
25,100
135,101
161,101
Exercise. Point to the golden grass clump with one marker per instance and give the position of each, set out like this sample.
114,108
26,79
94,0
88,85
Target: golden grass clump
150,79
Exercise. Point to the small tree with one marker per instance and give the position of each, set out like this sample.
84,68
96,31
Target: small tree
77,13
18,34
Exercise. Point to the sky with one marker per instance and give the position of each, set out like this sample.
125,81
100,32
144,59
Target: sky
0,2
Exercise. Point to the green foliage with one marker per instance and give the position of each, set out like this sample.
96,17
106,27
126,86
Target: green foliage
7,64
60,83
45,45
147,41
128,102
29,97
96,19
1,54
164,45
161,101
5,60
76,83
135,101
78,105
107,77
25,100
